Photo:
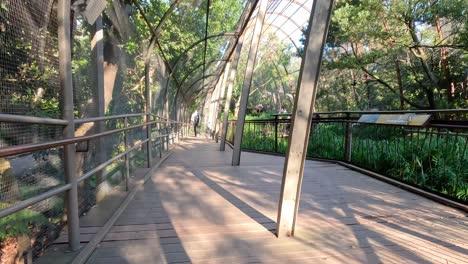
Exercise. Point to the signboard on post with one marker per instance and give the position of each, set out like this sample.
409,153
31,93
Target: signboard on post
396,119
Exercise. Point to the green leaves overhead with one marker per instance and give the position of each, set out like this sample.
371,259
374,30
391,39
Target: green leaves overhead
409,53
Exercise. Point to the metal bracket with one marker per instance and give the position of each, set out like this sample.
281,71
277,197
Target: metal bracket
82,147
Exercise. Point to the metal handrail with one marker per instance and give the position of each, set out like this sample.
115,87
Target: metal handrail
105,164
455,124
19,149
167,119
53,121
62,188
387,112
351,121
105,118
26,148
31,120
33,200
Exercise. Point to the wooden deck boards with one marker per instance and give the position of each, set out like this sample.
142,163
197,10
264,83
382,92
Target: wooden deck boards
199,209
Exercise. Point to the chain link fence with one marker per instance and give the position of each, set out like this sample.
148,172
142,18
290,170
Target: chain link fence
108,80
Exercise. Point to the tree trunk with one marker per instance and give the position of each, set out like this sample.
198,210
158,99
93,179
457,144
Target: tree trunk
355,94
447,83
397,63
419,53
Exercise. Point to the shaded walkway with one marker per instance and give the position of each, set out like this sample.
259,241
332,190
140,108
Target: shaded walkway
198,208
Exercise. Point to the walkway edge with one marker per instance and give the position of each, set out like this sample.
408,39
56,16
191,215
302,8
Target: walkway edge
426,194
432,196
86,252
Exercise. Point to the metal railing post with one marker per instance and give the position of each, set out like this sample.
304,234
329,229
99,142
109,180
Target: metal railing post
149,155
160,143
127,161
276,134
148,115
348,138
167,137
65,71
163,138
233,124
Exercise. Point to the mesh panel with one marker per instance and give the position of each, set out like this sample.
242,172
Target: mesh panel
29,85
29,69
108,69
84,69
17,133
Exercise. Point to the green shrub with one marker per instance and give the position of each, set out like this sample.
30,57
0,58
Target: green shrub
20,223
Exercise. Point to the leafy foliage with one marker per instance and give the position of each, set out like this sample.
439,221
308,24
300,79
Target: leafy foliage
20,223
431,159
395,54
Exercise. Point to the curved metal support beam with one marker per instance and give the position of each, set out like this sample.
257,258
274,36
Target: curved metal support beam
208,4
272,25
198,67
157,30
210,85
224,34
282,31
243,22
191,97
294,13
218,74
188,75
148,23
200,79
177,61
278,14
300,4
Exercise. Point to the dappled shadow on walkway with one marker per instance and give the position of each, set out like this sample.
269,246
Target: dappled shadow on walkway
198,208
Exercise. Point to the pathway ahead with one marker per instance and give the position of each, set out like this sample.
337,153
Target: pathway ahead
197,208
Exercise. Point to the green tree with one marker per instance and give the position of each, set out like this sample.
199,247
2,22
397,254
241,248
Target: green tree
398,54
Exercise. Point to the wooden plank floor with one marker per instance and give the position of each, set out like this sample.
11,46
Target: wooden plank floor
197,208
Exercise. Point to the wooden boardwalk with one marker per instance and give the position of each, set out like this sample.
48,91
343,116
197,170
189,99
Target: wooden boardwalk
197,208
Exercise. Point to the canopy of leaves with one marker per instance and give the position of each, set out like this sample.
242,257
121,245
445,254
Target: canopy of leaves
395,54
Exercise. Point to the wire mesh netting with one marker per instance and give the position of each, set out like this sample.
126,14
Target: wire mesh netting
108,79
29,85
29,58
129,58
